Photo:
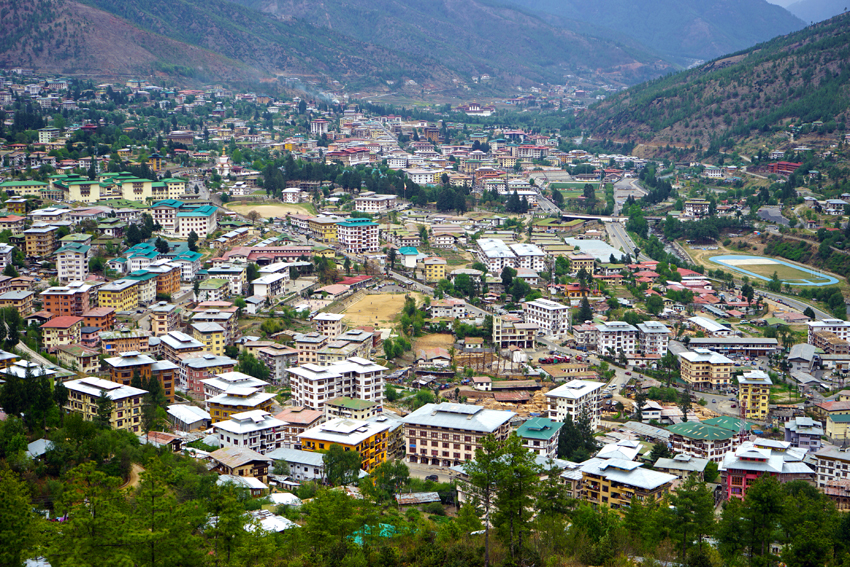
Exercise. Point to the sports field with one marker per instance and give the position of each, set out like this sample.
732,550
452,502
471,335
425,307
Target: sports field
377,310
273,210
763,268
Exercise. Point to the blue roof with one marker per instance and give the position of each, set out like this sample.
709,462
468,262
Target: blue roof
205,211
357,222
169,203
408,251
188,256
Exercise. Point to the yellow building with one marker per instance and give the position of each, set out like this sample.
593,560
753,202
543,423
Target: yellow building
41,242
24,187
705,369
212,335
84,394
155,162
369,438
76,188
323,229
237,400
579,261
614,482
61,331
134,188
754,394
121,295
20,300
435,269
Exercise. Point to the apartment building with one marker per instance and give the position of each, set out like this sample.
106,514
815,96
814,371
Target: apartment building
175,343
125,340
616,337
373,203
41,242
833,466
509,331
278,358
72,261
696,208
308,345
581,261
20,300
202,221
495,254
242,463
83,396
837,327
298,420
367,438
121,295
702,440
229,381
213,289
313,385
211,335
614,483
352,408
164,317
754,395
79,358
540,436
575,399
271,286
328,324
653,337
227,318
61,331
706,370
448,434
196,367
551,317
759,458
73,300
236,275
358,235
804,432
323,229
128,365
529,256
257,430
435,268
238,400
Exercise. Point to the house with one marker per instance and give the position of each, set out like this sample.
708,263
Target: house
304,466
186,417
682,466
79,357
256,429
241,462
540,436
804,432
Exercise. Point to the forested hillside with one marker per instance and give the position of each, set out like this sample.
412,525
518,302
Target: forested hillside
802,77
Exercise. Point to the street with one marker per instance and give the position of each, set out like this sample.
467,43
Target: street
623,189
620,239
799,305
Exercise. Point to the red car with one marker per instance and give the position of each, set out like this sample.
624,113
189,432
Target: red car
628,373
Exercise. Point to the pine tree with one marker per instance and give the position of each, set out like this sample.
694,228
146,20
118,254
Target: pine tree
585,313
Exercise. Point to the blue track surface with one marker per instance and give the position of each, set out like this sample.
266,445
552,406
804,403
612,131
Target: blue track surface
820,276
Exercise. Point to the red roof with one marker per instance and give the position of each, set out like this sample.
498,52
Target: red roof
62,322
354,279
685,272
646,274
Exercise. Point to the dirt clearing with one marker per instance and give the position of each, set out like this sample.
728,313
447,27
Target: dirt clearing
274,210
378,310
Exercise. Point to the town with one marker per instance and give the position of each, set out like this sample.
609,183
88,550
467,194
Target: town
296,295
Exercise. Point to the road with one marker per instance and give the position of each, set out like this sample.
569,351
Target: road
34,356
623,189
799,305
547,206
620,239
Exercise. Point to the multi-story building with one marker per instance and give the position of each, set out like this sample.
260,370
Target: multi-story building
754,394
448,434
759,458
509,331
351,408
74,300
830,343
529,256
271,286
125,340
551,317
838,327
495,254
6,251
229,381
313,385
196,367
257,430
616,337
238,400
696,208
211,335
132,364
242,462
435,268
84,394
79,358
804,432
278,358
833,466
747,346
374,203
227,318
41,242
236,275
145,284
165,317
615,483
72,262
705,369
61,331
202,221
304,466
540,436
121,295
20,300
702,440
308,346
323,229
328,324
213,289
653,337
581,261
576,399
164,213
367,438
175,343
298,420
168,275
358,235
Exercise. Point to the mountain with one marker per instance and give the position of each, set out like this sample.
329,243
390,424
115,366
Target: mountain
475,37
803,76
679,29
817,10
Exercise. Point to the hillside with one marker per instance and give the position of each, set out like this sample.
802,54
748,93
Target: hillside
802,77
213,40
684,30
474,37
817,10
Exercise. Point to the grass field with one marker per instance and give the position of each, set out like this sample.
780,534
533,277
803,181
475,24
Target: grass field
763,268
377,310
573,185
273,210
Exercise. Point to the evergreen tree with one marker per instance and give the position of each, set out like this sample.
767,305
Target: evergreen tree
104,412
517,486
484,473
576,441
192,242
341,467
585,313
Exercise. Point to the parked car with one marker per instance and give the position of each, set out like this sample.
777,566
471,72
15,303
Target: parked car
432,478
628,373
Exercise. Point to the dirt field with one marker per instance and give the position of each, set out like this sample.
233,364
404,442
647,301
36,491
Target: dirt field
377,310
273,210
437,340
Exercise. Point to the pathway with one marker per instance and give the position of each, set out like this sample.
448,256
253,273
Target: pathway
134,478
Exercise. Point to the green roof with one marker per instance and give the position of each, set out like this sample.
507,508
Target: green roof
76,237
839,418
539,428
213,283
351,403
700,430
21,183
732,424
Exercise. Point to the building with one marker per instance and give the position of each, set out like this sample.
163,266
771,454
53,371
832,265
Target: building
837,327
74,300
201,220
615,483
709,327
576,399
241,462
132,364
271,286
374,203
298,420
72,262
578,262
121,295
682,466
79,357
448,434
61,331
653,337
41,242
551,317
164,317
754,395
278,358
697,208
85,393
304,466
837,419
176,343
237,276
351,408
211,335
125,340
213,289
358,235
615,337
701,440
196,367
832,466
328,324
495,254
20,300
367,438
755,459
313,385
705,369
238,400
257,430
745,346
540,436
185,417
804,433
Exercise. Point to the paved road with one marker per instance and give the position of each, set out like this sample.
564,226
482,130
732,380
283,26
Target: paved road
34,356
799,305
623,189
620,239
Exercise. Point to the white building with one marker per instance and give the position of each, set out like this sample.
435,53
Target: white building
313,385
292,195
6,251
358,235
256,430
529,256
616,336
271,285
709,327
72,262
495,254
653,336
576,398
329,324
304,466
374,203
550,316
221,383
839,327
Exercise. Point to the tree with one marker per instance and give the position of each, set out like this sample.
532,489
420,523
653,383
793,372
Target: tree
585,313
659,451
809,312
342,467
192,242
18,523
10,271
774,284
517,485
162,246
508,274
103,417
386,479
347,265
134,235
484,473
576,441
253,216
654,304
391,256
710,473
693,514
